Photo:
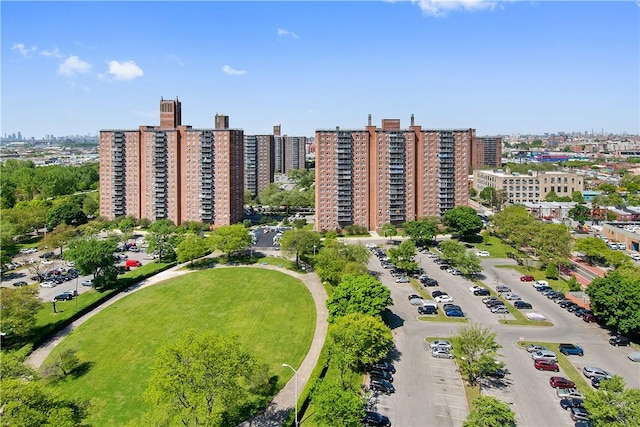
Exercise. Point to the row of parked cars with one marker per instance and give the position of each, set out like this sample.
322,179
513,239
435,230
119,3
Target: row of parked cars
543,287
380,381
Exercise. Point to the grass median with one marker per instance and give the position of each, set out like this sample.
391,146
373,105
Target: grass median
567,367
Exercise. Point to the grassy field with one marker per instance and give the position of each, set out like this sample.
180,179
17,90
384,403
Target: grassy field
272,313
494,246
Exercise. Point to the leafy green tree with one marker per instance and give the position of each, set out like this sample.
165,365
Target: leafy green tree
490,412
403,256
607,188
95,257
7,244
580,213
19,308
336,258
452,249
126,225
62,363
192,247
574,285
473,193
337,404
468,264
476,350
616,258
551,241
163,238
229,239
615,299
91,205
422,231
463,220
576,196
592,247
299,242
204,380
551,271
388,230
59,237
633,200
488,195
613,405
357,340
66,213
513,224
358,294
12,365
302,178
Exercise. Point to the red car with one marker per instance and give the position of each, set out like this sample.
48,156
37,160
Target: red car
561,382
546,365
527,279
589,317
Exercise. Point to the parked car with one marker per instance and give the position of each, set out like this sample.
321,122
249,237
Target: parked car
570,402
381,374
592,371
503,288
495,373
19,283
571,308
522,305
413,296
568,349
589,317
437,293
569,392
87,283
494,303
428,309
561,382
486,300
544,354
63,297
374,419
546,365
634,356
441,353
444,298
527,278
565,303
499,309
445,267
511,296
535,347
402,279
449,306
383,386
619,340
454,313
429,282
483,253
48,284
384,366
579,413
441,343
595,381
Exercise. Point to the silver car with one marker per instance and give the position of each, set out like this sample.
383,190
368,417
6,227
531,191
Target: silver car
441,353
544,354
591,372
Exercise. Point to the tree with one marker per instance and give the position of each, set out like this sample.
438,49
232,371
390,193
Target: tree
95,257
19,308
463,220
468,264
126,226
336,258
66,212
592,247
422,231
162,238
452,249
613,405
607,188
552,271
615,299
490,412
63,362
476,350
513,224
580,213
59,237
488,195
616,258
576,196
551,241
204,380
299,242
337,404
473,193
357,340
192,247
388,230
229,239
358,294
403,256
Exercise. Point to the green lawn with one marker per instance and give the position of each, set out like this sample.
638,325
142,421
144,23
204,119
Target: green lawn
272,313
495,247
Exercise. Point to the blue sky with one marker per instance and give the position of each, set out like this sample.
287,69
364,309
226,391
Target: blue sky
498,67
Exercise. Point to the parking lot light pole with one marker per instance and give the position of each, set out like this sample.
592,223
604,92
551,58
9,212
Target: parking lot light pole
295,379
76,295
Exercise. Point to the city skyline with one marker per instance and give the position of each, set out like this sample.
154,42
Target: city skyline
499,67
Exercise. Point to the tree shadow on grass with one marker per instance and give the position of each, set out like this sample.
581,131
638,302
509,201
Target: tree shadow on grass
81,369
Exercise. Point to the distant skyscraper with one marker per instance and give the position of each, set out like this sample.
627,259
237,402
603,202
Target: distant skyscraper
173,171
295,151
385,175
485,151
259,162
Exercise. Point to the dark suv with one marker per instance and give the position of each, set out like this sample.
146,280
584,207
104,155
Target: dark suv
382,385
381,374
374,419
63,297
620,340
428,309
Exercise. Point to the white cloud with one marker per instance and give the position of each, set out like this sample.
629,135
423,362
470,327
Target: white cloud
73,65
442,7
232,72
54,53
127,70
22,49
281,32
176,59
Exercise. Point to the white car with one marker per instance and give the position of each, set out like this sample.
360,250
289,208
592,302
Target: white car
87,283
441,343
511,296
591,372
499,309
569,392
544,354
48,284
441,353
444,298
475,288
433,255
483,253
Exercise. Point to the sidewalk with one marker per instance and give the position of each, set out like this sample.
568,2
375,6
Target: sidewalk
277,412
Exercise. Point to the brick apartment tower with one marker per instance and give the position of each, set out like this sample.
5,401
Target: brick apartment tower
385,175
289,151
259,162
485,151
173,171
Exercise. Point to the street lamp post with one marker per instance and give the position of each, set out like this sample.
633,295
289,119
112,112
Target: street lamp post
76,295
314,250
295,379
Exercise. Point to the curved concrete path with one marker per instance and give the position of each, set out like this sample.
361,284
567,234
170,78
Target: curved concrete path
283,402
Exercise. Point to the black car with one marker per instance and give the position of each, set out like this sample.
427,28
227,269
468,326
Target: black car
580,312
437,293
556,295
428,309
570,402
20,283
571,308
496,373
482,292
620,340
63,297
381,374
374,419
429,282
382,385
595,381
544,288
493,303
565,303
445,267
522,305
384,366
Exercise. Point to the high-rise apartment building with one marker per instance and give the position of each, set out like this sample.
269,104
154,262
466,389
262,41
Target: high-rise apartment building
385,175
289,151
485,151
173,171
259,162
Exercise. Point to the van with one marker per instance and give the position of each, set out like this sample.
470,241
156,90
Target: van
540,283
133,263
